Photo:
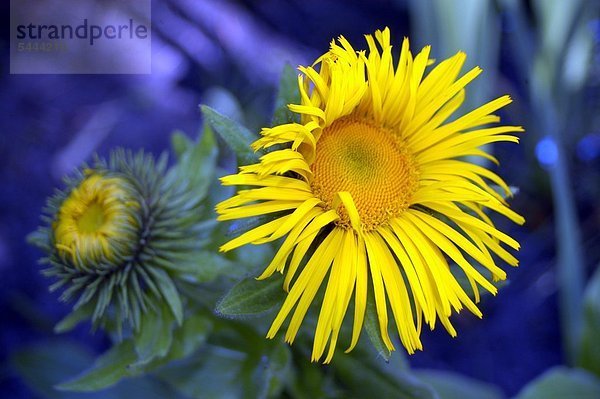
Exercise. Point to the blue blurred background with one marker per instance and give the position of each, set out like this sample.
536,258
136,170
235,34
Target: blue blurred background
229,54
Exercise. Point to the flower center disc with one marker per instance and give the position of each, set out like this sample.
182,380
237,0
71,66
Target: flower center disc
92,219
371,164
96,221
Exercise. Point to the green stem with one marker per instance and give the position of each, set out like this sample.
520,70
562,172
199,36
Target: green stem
570,264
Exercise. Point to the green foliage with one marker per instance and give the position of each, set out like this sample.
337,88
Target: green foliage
143,353
42,366
106,371
278,371
589,354
288,94
560,383
73,319
180,143
371,327
202,266
235,362
155,336
191,336
196,162
251,297
169,292
212,374
455,386
365,377
237,137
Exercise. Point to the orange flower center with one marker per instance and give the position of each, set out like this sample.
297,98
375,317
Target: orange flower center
371,163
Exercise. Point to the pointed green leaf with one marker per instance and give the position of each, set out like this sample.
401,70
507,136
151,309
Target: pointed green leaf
169,292
288,94
251,297
40,238
43,365
106,371
589,357
155,335
186,340
72,319
235,135
372,328
561,382
197,163
455,386
180,143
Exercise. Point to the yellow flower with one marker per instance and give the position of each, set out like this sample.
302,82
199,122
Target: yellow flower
375,180
122,233
95,220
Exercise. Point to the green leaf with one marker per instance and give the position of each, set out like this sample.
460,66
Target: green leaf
288,94
197,163
372,328
561,382
187,339
589,354
279,369
309,382
43,365
169,292
180,143
364,379
155,335
455,386
213,265
203,266
251,297
235,135
214,373
190,336
74,318
40,238
254,377
265,373
107,370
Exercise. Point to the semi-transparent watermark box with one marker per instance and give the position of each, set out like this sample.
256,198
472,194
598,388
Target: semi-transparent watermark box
80,37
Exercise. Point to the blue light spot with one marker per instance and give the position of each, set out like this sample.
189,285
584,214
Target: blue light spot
588,148
546,151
